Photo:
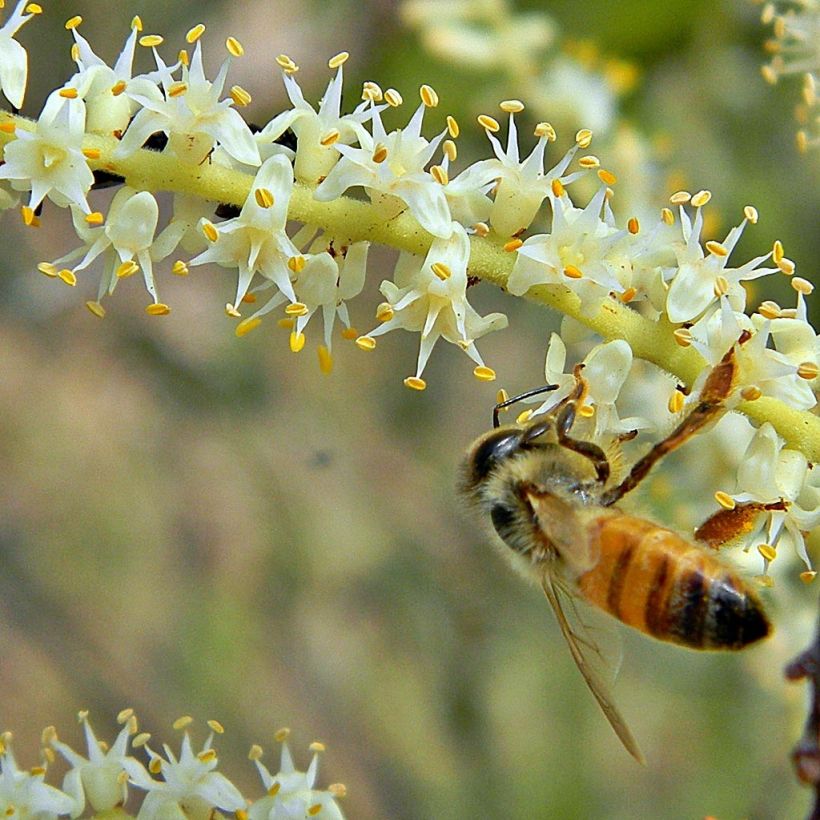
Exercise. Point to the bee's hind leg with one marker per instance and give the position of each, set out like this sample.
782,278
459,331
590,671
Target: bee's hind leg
728,525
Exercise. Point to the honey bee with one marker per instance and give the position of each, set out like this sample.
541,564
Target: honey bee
550,498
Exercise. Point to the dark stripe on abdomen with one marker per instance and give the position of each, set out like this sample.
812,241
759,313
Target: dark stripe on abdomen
687,608
735,618
616,581
655,609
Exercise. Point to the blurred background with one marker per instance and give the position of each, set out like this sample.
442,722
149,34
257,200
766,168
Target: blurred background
198,524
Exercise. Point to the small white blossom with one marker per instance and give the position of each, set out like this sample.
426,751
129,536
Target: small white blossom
554,367
290,793
190,787
24,795
13,57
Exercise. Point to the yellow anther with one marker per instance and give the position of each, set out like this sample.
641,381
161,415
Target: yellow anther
48,268
589,161
338,60
273,790
452,127
450,150
379,153
415,383
136,23
282,734
296,309
314,809
240,96
255,752
325,360
633,226
571,272
155,766
751,393
511,106
628,295
428,96
488,123
264,197
442,270
207,755
246,326
68,276
716,248
701,198
75,52
777,251
680,197
337,789
586,411
286,324
91,153
808,371
725,500
48,754
667,216
439,174
182,56
544,129
481,229
366,343
330,137
297,341
513,244
786,266
584,138
231,311
675,403
770,309
69,93
802,285
96,308
484,373
393,98
234,47
73,22
158,309
210,230
384,312
34,8
607,177
767,551
124,715
557,187
118,88
683,336
317,746
195,33
94,218
372,91
750,212
179,268
720,286
151,40
808,576
349,333
240,814
48,734
501,396
127,268
297,263
177,89
8,127
37,770
286,64
523,417
182,722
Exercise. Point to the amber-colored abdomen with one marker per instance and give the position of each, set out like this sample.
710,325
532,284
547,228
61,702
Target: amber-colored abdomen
652,579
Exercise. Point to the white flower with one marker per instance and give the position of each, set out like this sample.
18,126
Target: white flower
100,777
576,252
701,279
795,339
13,57
255,241
23,794
190,113
48,160
718,329
554,365
317,132
190,787
431,297
391,168
290,793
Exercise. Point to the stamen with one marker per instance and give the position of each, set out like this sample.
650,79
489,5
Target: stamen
524,417
607,177
372,91
675,403
808,576
91,153
75,52
136,23
158,309
286,324
210,231
716,248
680,198
127,268
282,734
513,244
415,383
750,212
151,40
249,298
488,123
69,93
557,187
808,371
511,106
314,809
337,789
264,197
481,229
34,8
8,127
589,161
450,150
317,746
274,789
428,96
751,393
231,311
667,216
767,551
207,755
349,333
586,411
544,129
48,268
439,174
325,360
802,285
769,309
701,198
571,272
683,336
442,270
379,153
155,766
124,715
246,326
297,263
68,276
179,268
584,138
384,312
338,60
195,33
184,59
255,752
720,286
366,343
452,127
118,88
234,47
628,295
286,64
177,89
725,500
73,22
393,98
786,266
240,96
633,226
484,373
777,251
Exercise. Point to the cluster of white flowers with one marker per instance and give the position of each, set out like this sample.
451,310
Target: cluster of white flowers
513,205
190,786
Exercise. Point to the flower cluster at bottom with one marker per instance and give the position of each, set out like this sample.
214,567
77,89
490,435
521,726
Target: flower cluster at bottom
190,786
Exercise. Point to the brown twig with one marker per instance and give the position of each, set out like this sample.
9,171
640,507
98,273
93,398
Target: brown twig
806,754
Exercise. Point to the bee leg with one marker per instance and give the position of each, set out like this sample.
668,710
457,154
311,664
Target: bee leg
563,425
726,526
711,405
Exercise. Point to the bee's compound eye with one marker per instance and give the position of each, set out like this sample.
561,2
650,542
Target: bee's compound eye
494,449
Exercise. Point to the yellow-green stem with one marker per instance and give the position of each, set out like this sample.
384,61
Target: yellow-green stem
353,220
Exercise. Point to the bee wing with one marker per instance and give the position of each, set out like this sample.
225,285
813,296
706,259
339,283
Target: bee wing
589,657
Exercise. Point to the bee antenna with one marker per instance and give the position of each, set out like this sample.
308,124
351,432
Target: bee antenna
536,391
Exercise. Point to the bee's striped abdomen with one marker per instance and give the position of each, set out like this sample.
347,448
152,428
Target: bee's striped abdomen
654,580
